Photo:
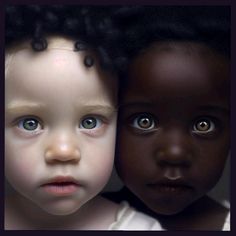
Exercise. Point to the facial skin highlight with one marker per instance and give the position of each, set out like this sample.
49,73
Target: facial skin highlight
60,126
174,134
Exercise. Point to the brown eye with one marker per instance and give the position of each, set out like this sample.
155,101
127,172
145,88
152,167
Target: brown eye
204,126
144,122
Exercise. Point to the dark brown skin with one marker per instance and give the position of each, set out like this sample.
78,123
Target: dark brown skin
174,134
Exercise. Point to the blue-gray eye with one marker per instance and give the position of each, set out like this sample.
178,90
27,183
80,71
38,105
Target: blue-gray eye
90,123
29,124
144,122
203,125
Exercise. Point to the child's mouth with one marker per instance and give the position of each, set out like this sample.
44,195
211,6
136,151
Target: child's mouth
170,187
61,186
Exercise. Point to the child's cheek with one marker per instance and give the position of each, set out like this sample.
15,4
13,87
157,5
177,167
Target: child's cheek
20,163
100,157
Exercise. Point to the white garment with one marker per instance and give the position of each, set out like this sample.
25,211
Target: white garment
129,219
226,226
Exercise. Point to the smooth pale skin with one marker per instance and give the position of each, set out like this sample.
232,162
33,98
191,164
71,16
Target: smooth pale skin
56,88
176,84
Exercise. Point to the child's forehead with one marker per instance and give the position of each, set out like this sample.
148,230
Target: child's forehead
49,61
53,42
59,53
173,70
59,48
169,55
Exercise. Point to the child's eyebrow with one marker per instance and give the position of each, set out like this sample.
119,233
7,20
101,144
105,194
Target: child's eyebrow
24,107
99,108
16,108
218,109
135,104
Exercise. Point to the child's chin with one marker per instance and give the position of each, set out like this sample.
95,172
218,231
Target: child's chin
61,208
169,209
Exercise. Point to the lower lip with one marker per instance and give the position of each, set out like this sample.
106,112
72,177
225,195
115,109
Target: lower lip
61,189
169,189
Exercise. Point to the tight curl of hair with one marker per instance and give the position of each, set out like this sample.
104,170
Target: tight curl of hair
137,27
88,25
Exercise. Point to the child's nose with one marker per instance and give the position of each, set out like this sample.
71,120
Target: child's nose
175,148
62,148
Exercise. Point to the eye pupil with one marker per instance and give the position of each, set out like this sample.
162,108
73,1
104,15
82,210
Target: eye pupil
89,123
30,124
144,122
203,126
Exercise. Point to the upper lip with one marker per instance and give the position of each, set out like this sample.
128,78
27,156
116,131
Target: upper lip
172,183
61,179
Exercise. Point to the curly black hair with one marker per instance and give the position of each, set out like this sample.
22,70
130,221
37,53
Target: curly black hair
137,27
119,33
87,25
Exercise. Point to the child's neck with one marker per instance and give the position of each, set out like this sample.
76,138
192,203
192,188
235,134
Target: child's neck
20,213
204,214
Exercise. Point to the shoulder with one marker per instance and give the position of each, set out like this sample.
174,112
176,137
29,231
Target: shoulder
128,218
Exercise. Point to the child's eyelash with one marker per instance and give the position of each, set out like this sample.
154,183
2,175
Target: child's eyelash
102,118
21,118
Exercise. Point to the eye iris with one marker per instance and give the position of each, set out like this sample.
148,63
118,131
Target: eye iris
203,126
89,123
144,122
30,124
